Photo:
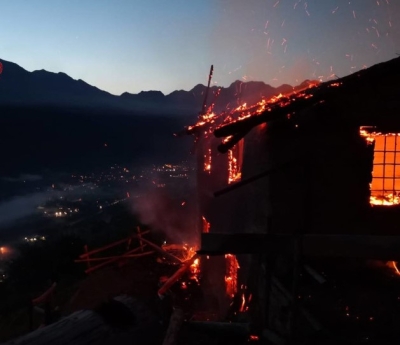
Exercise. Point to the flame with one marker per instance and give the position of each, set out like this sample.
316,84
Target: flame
235,157
195,267
206,225
394,265
210,121
384,200
232,267
182,251
233,172
242,306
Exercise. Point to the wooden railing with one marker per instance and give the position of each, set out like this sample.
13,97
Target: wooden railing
102,261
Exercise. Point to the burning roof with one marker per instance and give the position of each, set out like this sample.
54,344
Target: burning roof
369,96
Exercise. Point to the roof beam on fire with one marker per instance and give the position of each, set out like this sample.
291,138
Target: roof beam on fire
329,246
274,112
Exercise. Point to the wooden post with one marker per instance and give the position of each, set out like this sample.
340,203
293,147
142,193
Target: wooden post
174,326
140,236
87,256
30,314
129,244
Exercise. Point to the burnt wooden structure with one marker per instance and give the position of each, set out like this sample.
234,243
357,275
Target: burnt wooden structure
122,320
304,190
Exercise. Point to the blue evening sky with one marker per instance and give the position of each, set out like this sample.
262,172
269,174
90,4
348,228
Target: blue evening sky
134,45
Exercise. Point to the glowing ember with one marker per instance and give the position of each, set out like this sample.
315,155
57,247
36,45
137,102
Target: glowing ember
232,267
253,337
207,161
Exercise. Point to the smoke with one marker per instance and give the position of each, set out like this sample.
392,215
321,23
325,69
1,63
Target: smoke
23,178
176,219
21,207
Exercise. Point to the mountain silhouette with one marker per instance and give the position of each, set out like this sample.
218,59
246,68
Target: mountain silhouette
49,121
19,87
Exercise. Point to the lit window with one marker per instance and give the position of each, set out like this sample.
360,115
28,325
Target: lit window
385,186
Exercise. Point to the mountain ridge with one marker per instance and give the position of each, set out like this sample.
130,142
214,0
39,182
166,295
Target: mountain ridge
19,87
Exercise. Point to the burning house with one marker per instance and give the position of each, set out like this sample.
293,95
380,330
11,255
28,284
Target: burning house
306,176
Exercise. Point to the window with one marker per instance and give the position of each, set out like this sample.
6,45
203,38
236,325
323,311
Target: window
385,186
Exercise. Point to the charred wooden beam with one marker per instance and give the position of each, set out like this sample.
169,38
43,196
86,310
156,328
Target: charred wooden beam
111,260
273,338
122,256
176,276
219,244
254,178
313,273
329,246
159,250
108,246
288,297
231,142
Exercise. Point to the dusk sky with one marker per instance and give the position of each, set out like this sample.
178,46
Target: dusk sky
134,45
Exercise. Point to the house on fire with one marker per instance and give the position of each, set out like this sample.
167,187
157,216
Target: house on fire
312,173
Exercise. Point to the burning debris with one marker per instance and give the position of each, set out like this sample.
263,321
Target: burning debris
183,252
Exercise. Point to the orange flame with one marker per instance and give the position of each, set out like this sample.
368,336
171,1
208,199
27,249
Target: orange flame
235,157
195,267
242,306
232,267
394,264
209,122
206,225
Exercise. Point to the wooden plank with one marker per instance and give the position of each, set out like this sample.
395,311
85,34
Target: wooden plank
105,263
176,276
111,245
329,246
159,250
